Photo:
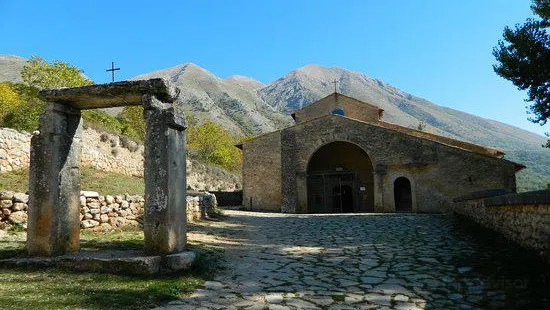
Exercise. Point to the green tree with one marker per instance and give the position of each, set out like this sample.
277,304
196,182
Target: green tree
523,57
133,123
38,73
9,100
214,144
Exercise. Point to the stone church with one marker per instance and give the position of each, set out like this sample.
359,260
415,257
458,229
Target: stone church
341,157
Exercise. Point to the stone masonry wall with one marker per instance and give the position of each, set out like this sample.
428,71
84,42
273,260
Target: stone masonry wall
523,218
113,153
105,212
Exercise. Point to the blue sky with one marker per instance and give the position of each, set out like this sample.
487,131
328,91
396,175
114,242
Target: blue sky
438,50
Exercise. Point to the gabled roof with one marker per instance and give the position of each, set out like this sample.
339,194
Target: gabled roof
335,95
450,142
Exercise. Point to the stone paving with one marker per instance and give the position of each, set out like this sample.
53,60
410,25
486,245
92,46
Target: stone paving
363,261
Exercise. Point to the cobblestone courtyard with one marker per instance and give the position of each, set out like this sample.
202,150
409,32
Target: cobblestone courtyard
367,261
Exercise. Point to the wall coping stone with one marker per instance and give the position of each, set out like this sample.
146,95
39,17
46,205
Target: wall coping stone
527,198
482,194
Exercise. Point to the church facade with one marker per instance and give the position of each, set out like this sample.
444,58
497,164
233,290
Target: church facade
341,157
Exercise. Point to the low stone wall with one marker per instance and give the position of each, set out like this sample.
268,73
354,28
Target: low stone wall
104,212
523,218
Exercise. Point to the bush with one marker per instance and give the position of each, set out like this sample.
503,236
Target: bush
23,114
212,143
9,100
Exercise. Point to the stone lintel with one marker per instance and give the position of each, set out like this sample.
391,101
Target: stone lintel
125,93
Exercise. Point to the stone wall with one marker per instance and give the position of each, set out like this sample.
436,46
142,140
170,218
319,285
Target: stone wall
113,153
15,149
105,212
262,173
523,218
437,172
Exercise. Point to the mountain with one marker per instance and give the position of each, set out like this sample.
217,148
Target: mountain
233,102
246,106
10,68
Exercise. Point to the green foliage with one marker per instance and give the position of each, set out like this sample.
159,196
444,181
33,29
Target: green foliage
215,145
23,111
24,115
133,122
421,126
9,100
524,57
103,119
38,73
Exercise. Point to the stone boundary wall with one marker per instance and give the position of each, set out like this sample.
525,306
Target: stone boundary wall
114,153
523,218
104,212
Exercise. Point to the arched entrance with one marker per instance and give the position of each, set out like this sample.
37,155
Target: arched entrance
340,179
402,195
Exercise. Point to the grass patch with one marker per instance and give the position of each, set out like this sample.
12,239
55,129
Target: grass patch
54,288
106,183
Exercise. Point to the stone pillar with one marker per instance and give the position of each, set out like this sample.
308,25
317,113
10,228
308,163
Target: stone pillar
289,159
165,218
54,183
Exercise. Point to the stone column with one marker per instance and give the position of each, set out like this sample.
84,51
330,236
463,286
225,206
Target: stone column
165,219
54,183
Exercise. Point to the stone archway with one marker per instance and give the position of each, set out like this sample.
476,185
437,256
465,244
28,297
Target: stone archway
402,195
54,178
340,179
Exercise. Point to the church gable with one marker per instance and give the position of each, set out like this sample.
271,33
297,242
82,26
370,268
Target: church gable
340,105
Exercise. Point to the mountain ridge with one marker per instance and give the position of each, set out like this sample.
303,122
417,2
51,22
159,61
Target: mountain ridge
246,106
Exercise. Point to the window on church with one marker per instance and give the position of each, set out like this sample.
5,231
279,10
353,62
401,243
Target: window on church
338,112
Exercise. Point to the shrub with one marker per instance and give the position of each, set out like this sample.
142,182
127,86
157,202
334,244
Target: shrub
214,144
9,100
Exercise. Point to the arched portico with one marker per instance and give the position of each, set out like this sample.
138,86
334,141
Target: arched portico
340,179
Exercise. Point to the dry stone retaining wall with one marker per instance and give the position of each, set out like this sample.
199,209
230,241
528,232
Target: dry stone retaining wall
113,153
106,212
523,218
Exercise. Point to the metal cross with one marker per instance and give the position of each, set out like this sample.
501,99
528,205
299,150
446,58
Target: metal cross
113,69
335,82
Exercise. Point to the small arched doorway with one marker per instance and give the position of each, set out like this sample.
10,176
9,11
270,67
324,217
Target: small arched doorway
402,195
340,179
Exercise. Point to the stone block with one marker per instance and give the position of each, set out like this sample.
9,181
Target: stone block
19,206
18,217
6,204
89,223
6,195
178,261
20,197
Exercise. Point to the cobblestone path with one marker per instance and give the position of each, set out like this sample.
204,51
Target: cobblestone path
368,261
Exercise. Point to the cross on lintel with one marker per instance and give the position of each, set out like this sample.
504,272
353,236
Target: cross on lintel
112,70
